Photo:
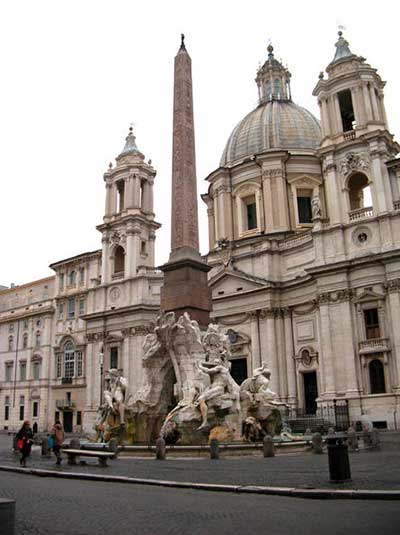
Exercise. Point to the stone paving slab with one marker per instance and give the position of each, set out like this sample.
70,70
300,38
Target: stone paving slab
371,469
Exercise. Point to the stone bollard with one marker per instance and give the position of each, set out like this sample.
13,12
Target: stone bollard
45,447
75,444
308,432
375,438
268,446
214,448
317,443
352,439
7,516
367,437
161,452
331,432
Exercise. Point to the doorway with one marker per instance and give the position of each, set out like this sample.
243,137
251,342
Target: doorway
67,421
310,392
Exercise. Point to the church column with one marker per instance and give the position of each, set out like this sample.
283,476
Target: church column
267,194
255,342
152,239
281,353
239,214
290,363
348,349
211,228
331,192
356,106
150,196
367,103
374,103
89,374
379,185
146,197
105,259
129,191
113,199
327,358
394,304
338,115
268,346
108,208
130,259
137,191
125,352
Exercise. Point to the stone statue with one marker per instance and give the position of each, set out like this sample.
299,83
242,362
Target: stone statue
223,392
316,207
260,407
111,415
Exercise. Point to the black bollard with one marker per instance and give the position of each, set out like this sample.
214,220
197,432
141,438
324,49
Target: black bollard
45,447
268,446
7,516
338,456
214,448
161,453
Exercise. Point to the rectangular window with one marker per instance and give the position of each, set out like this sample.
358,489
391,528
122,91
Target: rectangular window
35,409
81,307
36,371
371,323
56,416
346,110
79,418
81,275
7,408
25,324
114,358
59,359
61,281
61,311
251,212
10,343
22,371
25,341
37,339
69,364
71,308
21,407
11,328
9,369
79,364
304,206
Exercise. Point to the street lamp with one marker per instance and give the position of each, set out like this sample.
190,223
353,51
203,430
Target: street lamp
101,362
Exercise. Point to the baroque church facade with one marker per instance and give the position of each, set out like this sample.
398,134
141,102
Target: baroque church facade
304,251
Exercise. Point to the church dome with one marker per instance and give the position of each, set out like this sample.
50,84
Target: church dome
276,123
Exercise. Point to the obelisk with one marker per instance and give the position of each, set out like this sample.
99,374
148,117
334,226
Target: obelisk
185,286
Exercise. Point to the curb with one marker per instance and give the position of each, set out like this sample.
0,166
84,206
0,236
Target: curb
249,489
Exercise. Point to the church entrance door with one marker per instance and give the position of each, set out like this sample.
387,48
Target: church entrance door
310,392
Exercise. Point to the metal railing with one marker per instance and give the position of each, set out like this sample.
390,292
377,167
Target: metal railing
334,414
64,404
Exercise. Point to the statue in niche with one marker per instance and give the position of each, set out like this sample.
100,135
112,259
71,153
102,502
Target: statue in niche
316,207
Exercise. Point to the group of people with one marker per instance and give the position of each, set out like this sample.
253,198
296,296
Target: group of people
24,441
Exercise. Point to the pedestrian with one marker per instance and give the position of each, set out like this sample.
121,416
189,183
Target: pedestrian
58,439
24,442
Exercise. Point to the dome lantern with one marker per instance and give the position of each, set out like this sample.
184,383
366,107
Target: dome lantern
273,79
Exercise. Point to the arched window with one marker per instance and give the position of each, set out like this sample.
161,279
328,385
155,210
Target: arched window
277,88
119,260
377,377
268,89
359,192
72,277
69,360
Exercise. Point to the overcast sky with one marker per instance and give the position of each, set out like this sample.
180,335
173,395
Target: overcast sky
75,74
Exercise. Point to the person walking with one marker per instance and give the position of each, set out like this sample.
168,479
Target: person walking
58,439
24,442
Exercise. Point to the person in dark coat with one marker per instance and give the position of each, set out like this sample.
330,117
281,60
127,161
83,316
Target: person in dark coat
25,436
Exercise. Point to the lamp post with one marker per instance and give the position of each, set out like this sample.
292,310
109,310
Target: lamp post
101,362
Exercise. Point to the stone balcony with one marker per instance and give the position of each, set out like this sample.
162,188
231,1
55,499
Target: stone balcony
64,404
361,213
351,134
373,345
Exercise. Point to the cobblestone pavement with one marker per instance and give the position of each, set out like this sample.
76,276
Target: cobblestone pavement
372,469
67,507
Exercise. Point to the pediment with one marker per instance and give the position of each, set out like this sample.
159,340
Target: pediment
368,296
229,282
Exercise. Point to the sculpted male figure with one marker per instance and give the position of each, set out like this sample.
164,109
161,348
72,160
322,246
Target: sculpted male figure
220,383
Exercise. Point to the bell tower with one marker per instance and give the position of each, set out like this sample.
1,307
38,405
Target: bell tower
128,228
356,141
